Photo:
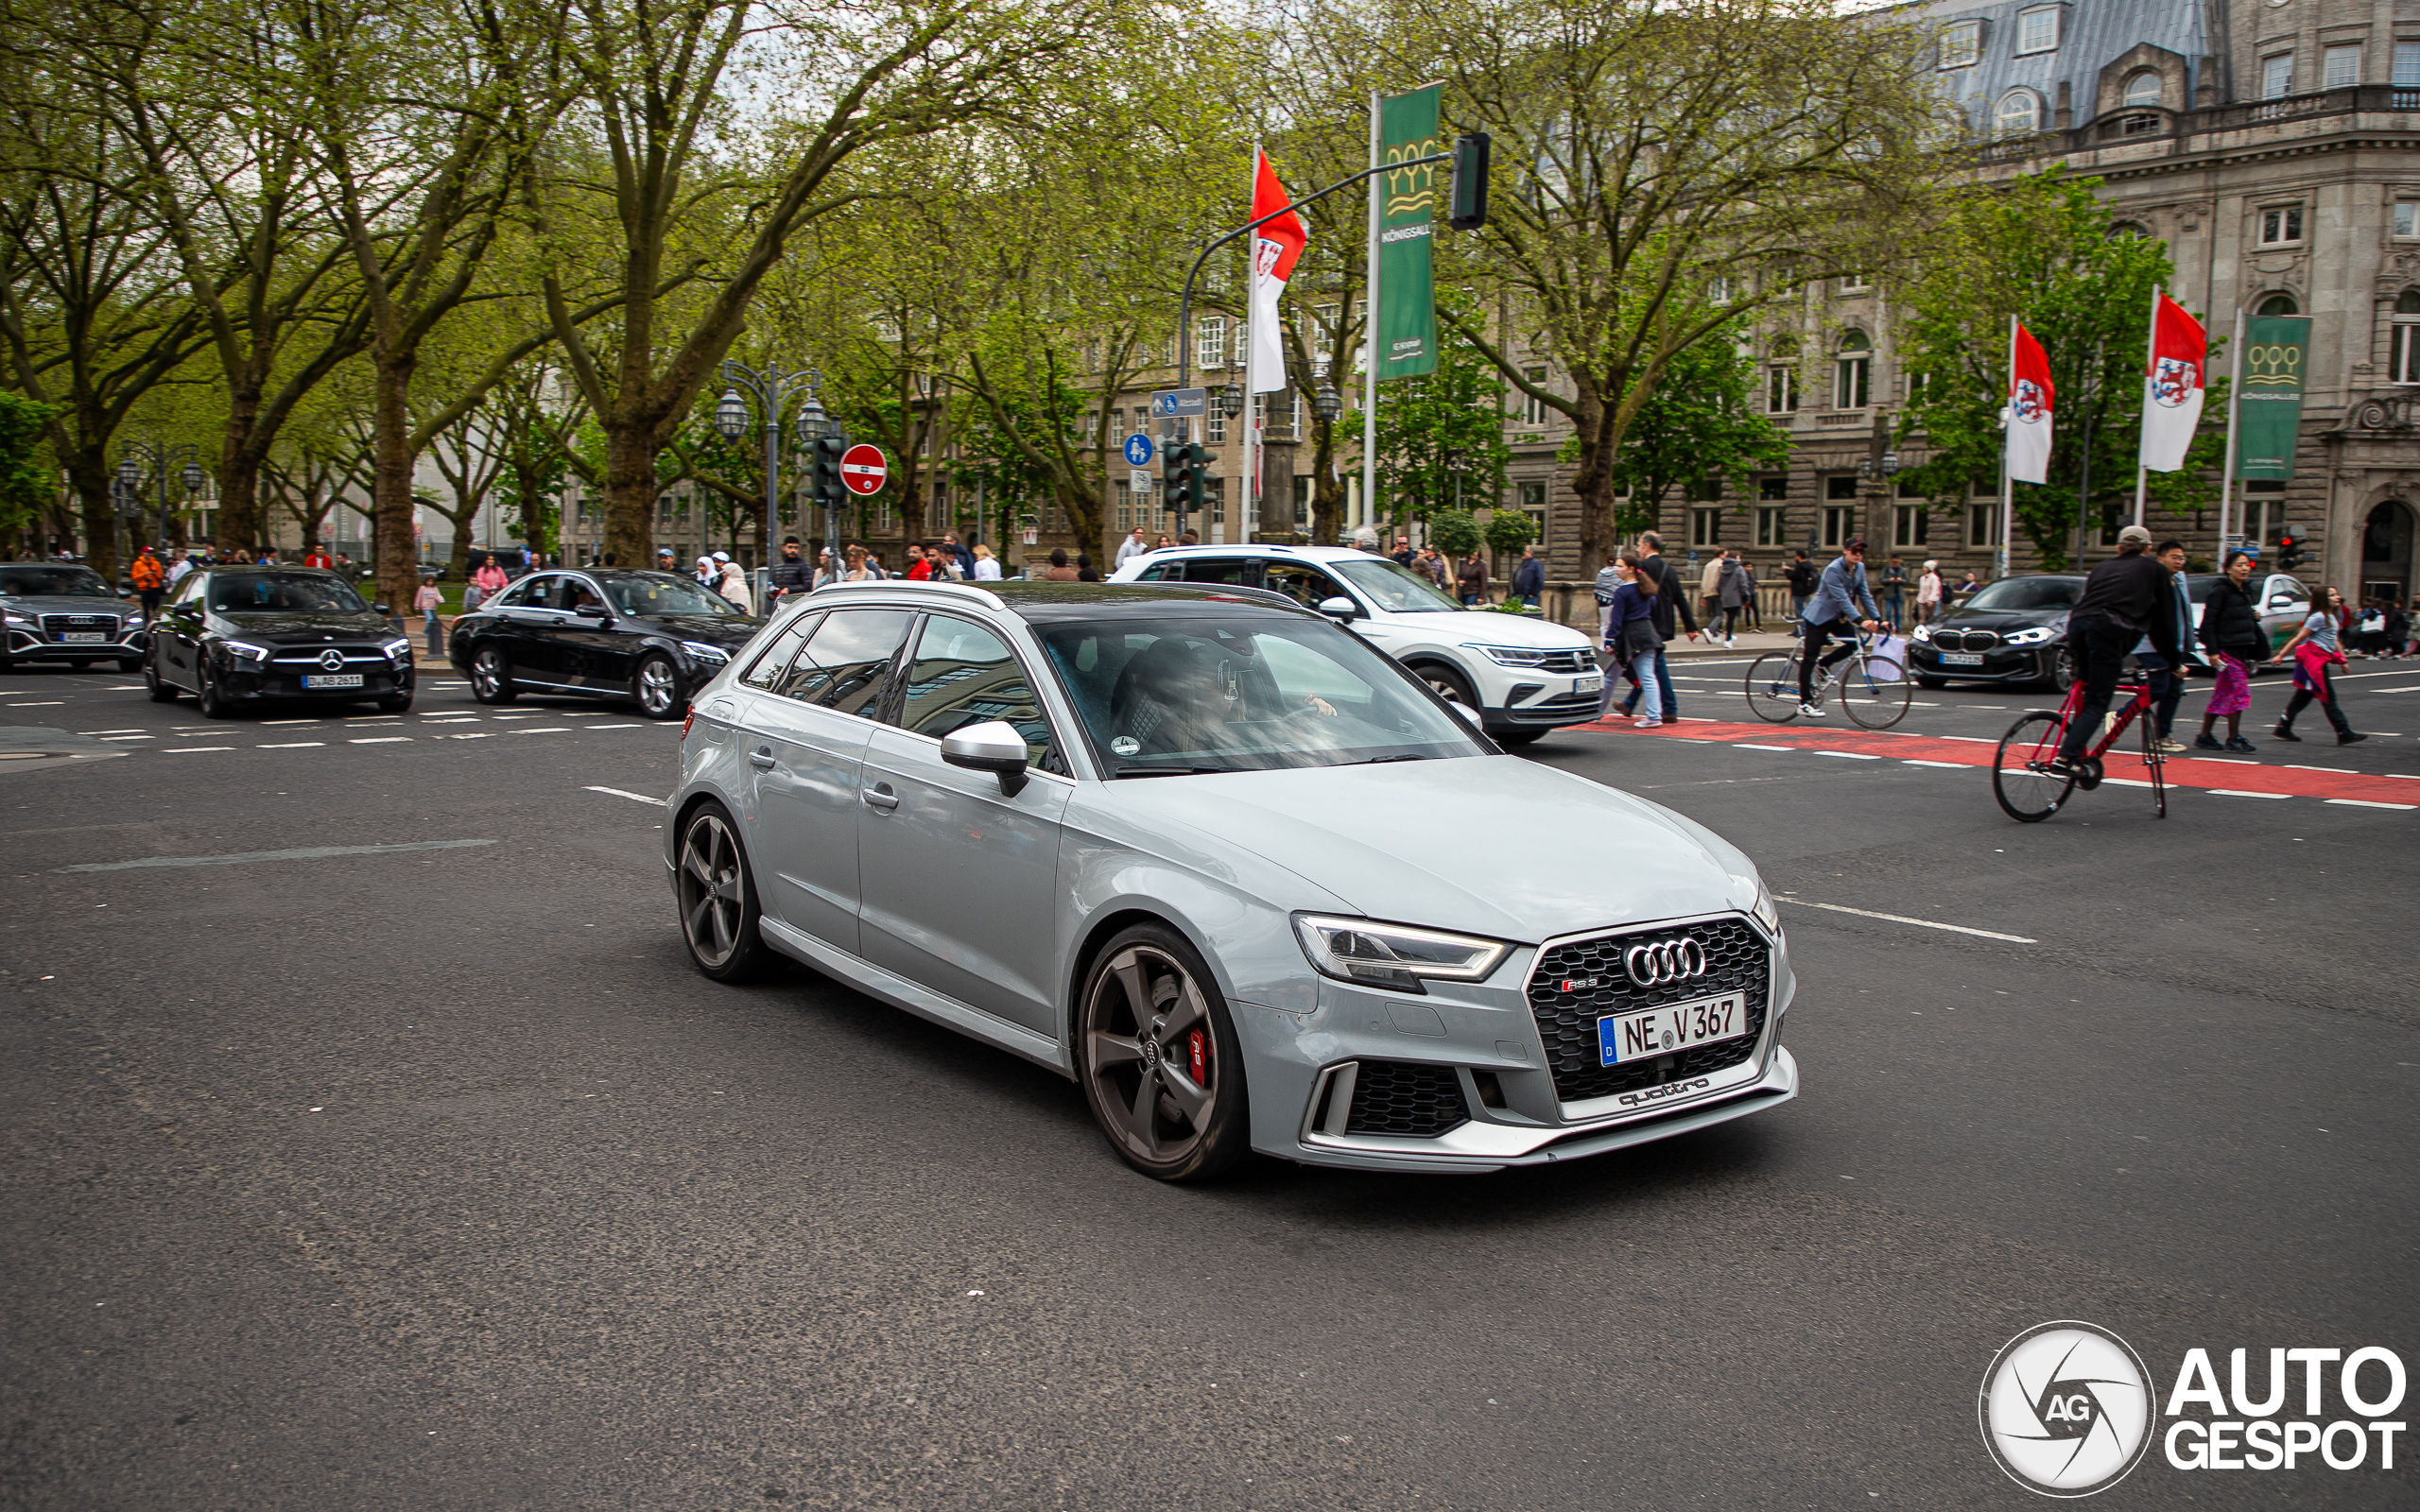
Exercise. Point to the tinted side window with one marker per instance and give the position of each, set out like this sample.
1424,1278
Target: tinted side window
844,663
775,659
1303,583
531,593
963,675
1223,570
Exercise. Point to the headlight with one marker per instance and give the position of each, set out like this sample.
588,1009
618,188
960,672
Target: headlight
1767,911
1393,955
2033,637
1510,656
1922,632
246,651
398,650
19,622
706,652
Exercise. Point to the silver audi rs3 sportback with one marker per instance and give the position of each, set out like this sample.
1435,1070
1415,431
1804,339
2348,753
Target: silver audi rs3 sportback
1177,843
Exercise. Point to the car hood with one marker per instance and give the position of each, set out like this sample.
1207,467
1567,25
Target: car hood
1486,628
281,626
714,629
1517,850
65,604
2006,619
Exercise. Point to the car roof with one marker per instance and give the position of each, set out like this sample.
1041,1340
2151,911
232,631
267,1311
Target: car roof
1045,601
1265,549
264,567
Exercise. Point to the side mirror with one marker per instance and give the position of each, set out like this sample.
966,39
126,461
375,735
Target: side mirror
593,610
381,608
1341,608
993,746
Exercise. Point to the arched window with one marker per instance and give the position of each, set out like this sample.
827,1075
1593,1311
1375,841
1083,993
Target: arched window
2129,231
2143,90
2020,114
2403,363
2278,305
1852,371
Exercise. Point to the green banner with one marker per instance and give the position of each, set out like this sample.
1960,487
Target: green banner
2269,399
1407,323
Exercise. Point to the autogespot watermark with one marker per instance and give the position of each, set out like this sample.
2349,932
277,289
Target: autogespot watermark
2069,1409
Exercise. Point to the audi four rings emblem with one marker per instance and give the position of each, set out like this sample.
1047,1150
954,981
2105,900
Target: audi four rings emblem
1666,960
332,659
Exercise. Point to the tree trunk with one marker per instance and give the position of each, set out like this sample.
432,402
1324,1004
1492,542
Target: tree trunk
391,493
1592,479
89,471
629,489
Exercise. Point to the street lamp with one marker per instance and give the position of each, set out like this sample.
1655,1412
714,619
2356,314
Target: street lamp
1231,401
1328,403
193,478
158,458
773,389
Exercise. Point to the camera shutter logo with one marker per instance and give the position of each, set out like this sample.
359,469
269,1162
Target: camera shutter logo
332,659
1663,961
2066,1409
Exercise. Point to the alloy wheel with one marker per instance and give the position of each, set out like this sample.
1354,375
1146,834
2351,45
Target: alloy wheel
658,688
491,680
1152,1054
714,895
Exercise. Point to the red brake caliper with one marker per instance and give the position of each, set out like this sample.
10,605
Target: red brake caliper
1197,1056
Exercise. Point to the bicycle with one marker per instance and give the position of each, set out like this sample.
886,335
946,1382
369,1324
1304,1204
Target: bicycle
1874,689
2030,792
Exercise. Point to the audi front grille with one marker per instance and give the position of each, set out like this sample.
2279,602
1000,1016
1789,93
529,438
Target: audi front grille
1576,982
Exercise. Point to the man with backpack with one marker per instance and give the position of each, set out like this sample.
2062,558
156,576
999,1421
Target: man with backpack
1670,605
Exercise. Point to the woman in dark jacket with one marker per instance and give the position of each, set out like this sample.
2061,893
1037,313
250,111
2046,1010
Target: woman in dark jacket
2231,633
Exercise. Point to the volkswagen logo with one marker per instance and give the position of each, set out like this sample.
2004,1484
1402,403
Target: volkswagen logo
1663,961
332,659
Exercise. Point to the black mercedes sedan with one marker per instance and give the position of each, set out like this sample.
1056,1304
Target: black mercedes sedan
2014,631
63,611
233,636
652,637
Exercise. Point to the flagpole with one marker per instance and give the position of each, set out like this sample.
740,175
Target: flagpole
2151,360
1370,343
2008,484
2227,470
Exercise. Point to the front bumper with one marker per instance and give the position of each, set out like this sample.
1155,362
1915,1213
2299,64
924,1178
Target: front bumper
32,646
2029,664
239,683
1467,1068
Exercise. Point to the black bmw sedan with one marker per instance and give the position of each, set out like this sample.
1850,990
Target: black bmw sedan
2014,631
232,636
652,637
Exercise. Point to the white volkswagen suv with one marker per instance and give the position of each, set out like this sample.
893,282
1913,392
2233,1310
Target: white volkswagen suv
1524,675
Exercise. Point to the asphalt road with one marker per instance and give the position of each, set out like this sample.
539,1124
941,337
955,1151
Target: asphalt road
435,1178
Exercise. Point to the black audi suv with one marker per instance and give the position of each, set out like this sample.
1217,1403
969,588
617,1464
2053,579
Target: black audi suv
232,636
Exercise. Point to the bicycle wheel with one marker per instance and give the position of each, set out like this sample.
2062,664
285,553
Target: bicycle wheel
1772,687
2154,764
2025,791
1875,702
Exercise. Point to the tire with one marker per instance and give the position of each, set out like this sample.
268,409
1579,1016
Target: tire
395,703
214,703
491,676
2156,763
656,685
2063,672
1932,684
2025,792
1871,702
1772,687
717,893
1148,1006
161,690
129,665
1447,684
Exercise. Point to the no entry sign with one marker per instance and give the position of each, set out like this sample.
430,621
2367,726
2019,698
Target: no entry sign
863,468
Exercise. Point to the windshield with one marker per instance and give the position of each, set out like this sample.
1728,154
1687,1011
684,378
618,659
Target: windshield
283,594
1391,586
2029,592
52,582
1202,694
663,594
2200,586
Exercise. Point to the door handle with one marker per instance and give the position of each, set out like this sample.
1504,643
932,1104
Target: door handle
761,757
881,797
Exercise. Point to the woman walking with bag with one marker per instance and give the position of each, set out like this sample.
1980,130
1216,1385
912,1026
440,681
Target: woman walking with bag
2315,648
2231,633
1629,630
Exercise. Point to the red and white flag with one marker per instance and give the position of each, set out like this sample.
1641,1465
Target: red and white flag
2030,397
1275,249
2172,384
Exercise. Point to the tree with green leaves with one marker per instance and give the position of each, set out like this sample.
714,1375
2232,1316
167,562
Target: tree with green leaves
1697,426
1441,436
27,476
2039,247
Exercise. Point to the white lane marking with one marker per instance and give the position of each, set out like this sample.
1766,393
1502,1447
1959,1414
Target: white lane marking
2409,776
266,723
619,727
2298,766
635,797
308,854
292,744
1744,745
2232,791
129,737
129,731
2126,782
546,730
484,735
1849,755
377,740
1953,767
2365,803
46,703
1922,923
1979,740
184,748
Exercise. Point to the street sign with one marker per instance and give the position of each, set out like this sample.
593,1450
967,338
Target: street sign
864,469
1180,402
1138,450
1139,481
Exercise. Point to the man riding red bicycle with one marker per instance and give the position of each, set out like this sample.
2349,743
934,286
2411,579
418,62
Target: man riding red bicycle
2125,598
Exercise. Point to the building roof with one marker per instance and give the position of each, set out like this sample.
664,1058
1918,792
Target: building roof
2091,36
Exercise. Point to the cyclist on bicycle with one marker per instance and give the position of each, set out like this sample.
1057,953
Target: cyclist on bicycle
2126,598
1840,590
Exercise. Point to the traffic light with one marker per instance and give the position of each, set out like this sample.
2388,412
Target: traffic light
1470,181
1173,456
1197,478
2289,553
826,487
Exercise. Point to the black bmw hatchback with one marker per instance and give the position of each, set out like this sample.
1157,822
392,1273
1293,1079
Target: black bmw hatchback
244,635
652,637
2014,631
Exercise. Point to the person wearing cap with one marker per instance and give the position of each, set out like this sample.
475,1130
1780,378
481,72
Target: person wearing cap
664,560
1838,592
2125,599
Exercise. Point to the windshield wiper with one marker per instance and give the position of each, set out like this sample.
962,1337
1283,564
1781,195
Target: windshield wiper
1380,760
1166,771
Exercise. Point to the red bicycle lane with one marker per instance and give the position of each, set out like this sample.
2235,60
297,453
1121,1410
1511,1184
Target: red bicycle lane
2256,778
